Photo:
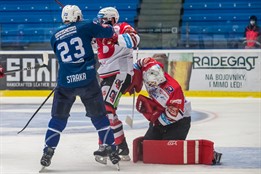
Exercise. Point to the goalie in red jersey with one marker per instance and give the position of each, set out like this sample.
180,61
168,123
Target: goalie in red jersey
166,107
169,116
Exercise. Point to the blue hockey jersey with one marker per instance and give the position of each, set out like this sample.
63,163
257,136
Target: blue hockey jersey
71,44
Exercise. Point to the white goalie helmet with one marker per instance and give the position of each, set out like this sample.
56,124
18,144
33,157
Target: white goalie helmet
109,13
154,76
71,13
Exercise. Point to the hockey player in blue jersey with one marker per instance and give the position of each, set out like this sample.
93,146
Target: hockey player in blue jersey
71,44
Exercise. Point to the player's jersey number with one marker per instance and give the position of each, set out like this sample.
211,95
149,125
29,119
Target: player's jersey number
75,43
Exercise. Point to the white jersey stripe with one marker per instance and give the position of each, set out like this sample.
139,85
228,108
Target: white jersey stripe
196,152
185,152
104,128
54,130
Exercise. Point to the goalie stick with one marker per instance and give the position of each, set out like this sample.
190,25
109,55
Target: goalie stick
129,120
45,63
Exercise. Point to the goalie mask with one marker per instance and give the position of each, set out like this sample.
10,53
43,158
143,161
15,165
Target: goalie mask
71,13
106,15
154,76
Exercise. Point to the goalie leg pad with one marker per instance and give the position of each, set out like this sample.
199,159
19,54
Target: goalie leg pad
178,152
137,149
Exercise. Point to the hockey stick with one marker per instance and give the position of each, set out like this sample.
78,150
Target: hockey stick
129,120
36,112
59,3
45,63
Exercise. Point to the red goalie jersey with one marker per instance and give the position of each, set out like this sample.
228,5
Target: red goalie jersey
167,103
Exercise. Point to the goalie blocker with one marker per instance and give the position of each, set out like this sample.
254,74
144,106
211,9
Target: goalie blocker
175,151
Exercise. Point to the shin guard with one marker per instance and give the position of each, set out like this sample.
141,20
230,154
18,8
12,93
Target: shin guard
105,132
55,128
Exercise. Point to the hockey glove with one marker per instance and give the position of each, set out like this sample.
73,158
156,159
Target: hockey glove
136,82
150,109
2,72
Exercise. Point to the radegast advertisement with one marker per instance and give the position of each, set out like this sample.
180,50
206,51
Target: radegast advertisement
226,71
39,78
216,70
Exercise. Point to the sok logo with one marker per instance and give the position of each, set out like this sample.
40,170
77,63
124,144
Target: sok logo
32,75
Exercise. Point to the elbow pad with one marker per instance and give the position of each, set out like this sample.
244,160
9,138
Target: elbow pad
128,40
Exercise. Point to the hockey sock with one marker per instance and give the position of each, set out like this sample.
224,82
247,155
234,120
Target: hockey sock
105,132
117,128
55,127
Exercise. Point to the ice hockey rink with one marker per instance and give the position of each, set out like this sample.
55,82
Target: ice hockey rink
233,124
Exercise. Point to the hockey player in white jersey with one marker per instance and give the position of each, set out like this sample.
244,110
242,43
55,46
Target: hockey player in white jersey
116,70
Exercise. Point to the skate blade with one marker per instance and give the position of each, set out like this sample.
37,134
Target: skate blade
101,159
42,169
118,166
125,157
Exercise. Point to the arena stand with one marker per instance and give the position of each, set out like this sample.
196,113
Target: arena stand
212,24
32,22
162,24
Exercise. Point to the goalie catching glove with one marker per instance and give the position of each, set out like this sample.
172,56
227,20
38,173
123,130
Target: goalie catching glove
2,72
149,108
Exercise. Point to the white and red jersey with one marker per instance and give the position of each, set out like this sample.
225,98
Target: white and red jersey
168,95
117,58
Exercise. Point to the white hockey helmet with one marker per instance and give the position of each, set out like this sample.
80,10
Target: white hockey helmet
109,13
71,13
154,76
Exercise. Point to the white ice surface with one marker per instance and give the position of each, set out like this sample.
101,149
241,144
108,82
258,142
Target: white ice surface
232,123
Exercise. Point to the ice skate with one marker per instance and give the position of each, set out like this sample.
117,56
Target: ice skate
101,154
105,151
123,151
114,157
46,158
217,158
